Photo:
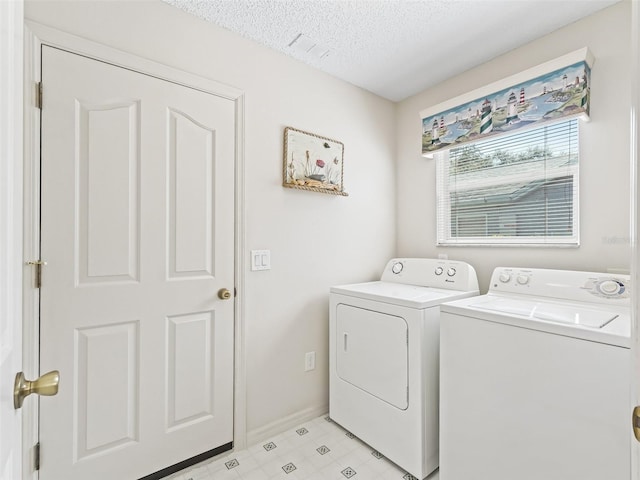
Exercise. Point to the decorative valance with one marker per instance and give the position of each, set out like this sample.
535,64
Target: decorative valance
552,91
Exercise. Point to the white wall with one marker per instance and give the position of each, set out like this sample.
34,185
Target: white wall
316,240
604,150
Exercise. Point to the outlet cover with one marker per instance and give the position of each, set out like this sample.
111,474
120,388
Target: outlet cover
309,361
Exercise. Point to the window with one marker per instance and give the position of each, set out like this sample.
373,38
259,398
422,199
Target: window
517,189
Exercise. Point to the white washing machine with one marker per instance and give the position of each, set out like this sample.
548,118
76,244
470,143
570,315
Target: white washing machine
384,357
534,378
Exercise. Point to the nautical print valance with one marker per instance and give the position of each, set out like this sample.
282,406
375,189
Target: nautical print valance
555,90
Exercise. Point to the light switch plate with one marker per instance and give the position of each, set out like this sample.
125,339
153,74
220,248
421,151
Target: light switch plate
260,260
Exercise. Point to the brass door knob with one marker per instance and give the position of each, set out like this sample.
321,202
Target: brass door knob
224,294
635,422
47,384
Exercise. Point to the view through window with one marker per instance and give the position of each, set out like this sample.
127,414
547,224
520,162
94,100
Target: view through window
519,189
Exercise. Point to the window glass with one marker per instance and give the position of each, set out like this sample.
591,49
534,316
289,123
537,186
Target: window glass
519,189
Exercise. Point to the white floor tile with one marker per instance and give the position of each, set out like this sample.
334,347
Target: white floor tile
257,474
315,450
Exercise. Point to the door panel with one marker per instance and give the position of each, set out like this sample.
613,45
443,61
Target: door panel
137,232
106,361
191,180
191,338
108,161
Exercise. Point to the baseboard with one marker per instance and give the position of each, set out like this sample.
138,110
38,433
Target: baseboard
282,424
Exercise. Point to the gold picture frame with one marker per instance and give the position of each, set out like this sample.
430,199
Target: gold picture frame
312,162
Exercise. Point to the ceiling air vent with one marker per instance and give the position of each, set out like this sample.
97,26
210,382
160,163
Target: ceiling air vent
308,48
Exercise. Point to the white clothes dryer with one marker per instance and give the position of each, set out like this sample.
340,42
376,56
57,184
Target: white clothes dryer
534,379
384,357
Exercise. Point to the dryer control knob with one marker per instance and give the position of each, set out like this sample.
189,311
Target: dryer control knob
451,272
438,270
522,279
504,277
397,267
609,287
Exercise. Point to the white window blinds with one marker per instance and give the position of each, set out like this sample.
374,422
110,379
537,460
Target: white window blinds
519,189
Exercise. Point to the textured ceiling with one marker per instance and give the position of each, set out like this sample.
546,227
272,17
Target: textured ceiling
394,48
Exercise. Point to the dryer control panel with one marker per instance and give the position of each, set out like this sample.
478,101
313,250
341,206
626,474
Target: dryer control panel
562,284
431,272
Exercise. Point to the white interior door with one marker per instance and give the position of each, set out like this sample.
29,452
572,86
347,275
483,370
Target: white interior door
11,21
137,231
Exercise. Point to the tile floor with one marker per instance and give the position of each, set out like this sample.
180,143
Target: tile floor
316,450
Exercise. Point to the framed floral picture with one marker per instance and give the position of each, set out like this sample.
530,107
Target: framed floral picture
312,162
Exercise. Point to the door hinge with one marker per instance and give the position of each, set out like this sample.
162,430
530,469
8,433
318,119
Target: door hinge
38,273
38,98
36,456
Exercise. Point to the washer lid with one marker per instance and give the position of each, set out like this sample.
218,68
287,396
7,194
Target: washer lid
573,315
412,296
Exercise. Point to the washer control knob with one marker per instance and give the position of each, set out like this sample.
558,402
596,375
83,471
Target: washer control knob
609,287
397,267
438,270
451,272
522,279
504,277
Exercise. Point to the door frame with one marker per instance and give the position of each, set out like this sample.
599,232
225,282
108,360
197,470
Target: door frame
634,151
11,270
37,35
